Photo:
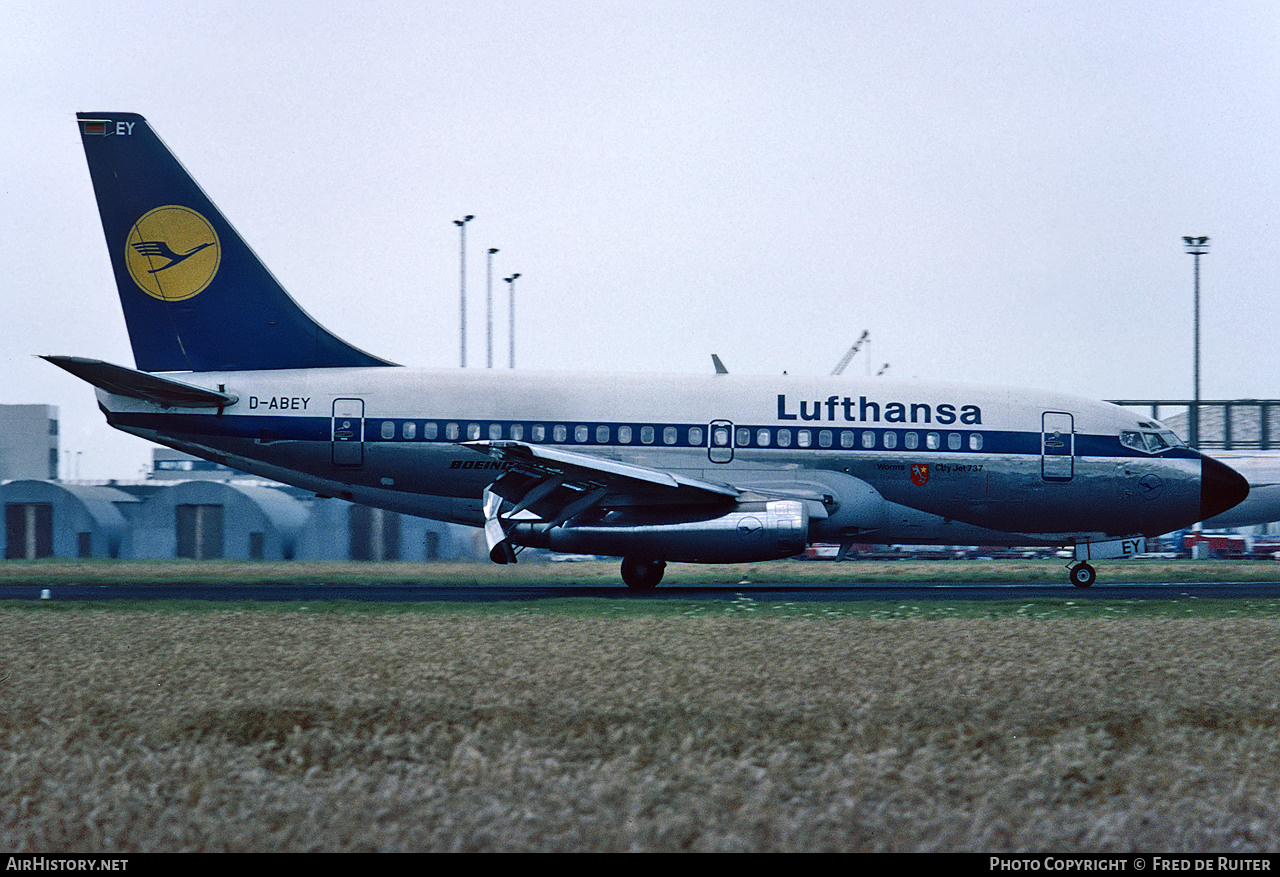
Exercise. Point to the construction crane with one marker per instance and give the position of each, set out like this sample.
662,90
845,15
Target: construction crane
844,362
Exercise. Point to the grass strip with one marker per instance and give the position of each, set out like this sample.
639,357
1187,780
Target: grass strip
48,572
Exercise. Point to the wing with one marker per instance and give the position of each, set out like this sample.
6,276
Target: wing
553,486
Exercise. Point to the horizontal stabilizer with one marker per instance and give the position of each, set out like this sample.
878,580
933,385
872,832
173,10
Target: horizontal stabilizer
140,385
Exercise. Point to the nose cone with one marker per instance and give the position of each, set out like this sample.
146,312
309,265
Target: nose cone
1221,488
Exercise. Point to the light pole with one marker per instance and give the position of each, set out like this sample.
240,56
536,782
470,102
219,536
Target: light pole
1197,247
511,317
462,282
489,302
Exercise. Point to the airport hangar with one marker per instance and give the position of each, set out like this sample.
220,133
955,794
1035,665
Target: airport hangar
191,508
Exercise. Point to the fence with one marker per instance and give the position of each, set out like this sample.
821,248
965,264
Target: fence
1231,424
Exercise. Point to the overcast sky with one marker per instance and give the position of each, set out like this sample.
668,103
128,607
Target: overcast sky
996,191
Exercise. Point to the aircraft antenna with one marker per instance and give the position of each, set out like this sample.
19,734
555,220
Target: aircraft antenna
844,362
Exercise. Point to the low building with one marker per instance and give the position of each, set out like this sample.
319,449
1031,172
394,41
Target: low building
192,508
28,442
339,530
211,519
49,519
170,465
207,520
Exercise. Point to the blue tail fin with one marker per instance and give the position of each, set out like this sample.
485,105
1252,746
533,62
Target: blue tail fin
195,297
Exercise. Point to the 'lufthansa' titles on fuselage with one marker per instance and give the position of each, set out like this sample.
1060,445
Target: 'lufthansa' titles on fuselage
863,410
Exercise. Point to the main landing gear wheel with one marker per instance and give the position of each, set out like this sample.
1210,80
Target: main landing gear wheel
1083,575
641,574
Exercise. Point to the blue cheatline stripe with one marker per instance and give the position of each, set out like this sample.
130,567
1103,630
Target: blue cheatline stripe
440,431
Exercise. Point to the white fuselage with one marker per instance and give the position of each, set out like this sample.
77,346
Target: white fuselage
946,463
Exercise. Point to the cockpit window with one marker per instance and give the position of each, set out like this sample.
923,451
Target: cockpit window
1155,444
1151,442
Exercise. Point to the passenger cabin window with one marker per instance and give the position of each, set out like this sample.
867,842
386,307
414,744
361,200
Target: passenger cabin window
602,435
624,435
495,431
409,430
559,433
388,429
580,433
669,435
538,433
430,430
646,435
695,436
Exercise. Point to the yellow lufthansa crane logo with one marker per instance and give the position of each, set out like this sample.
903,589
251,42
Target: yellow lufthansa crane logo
172,253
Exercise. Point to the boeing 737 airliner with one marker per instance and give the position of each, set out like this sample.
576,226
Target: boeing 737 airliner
710,468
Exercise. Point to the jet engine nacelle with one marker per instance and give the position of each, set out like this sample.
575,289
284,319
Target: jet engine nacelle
767,530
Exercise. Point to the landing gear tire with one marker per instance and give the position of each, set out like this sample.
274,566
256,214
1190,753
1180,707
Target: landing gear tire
642,574
1083,575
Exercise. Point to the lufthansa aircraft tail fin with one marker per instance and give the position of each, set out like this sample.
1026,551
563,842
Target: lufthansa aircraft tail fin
195,297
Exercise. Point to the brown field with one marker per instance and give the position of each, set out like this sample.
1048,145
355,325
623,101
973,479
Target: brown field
316,731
